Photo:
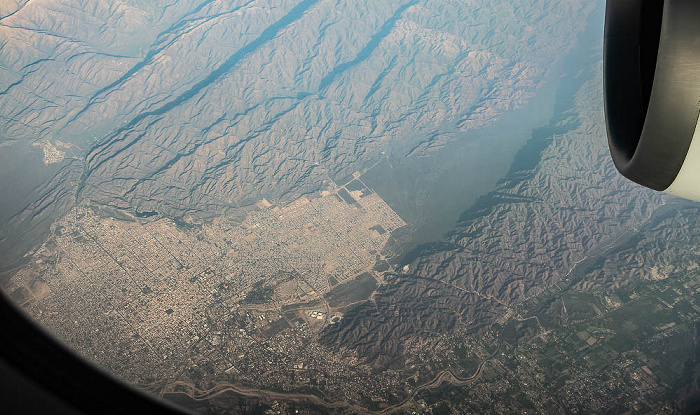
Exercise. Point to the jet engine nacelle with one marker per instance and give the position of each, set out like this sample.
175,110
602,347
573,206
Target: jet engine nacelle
652,92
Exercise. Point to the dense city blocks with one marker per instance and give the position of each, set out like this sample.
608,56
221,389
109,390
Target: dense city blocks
157,300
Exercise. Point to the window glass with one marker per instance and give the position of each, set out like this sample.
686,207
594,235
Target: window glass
340,206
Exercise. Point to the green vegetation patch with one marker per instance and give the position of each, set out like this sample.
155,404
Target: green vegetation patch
299,306
381,266
346,196
276,327
186,226
20,295
261,293
355,185
580,306
520,332
379,229
353,291
343,180
637,321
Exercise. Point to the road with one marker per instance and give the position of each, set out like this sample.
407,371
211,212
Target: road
188,389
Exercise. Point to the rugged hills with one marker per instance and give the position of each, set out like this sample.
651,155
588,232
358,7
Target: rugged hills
192,108
561,202
201,166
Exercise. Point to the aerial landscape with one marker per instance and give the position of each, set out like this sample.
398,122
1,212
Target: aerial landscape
317,206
